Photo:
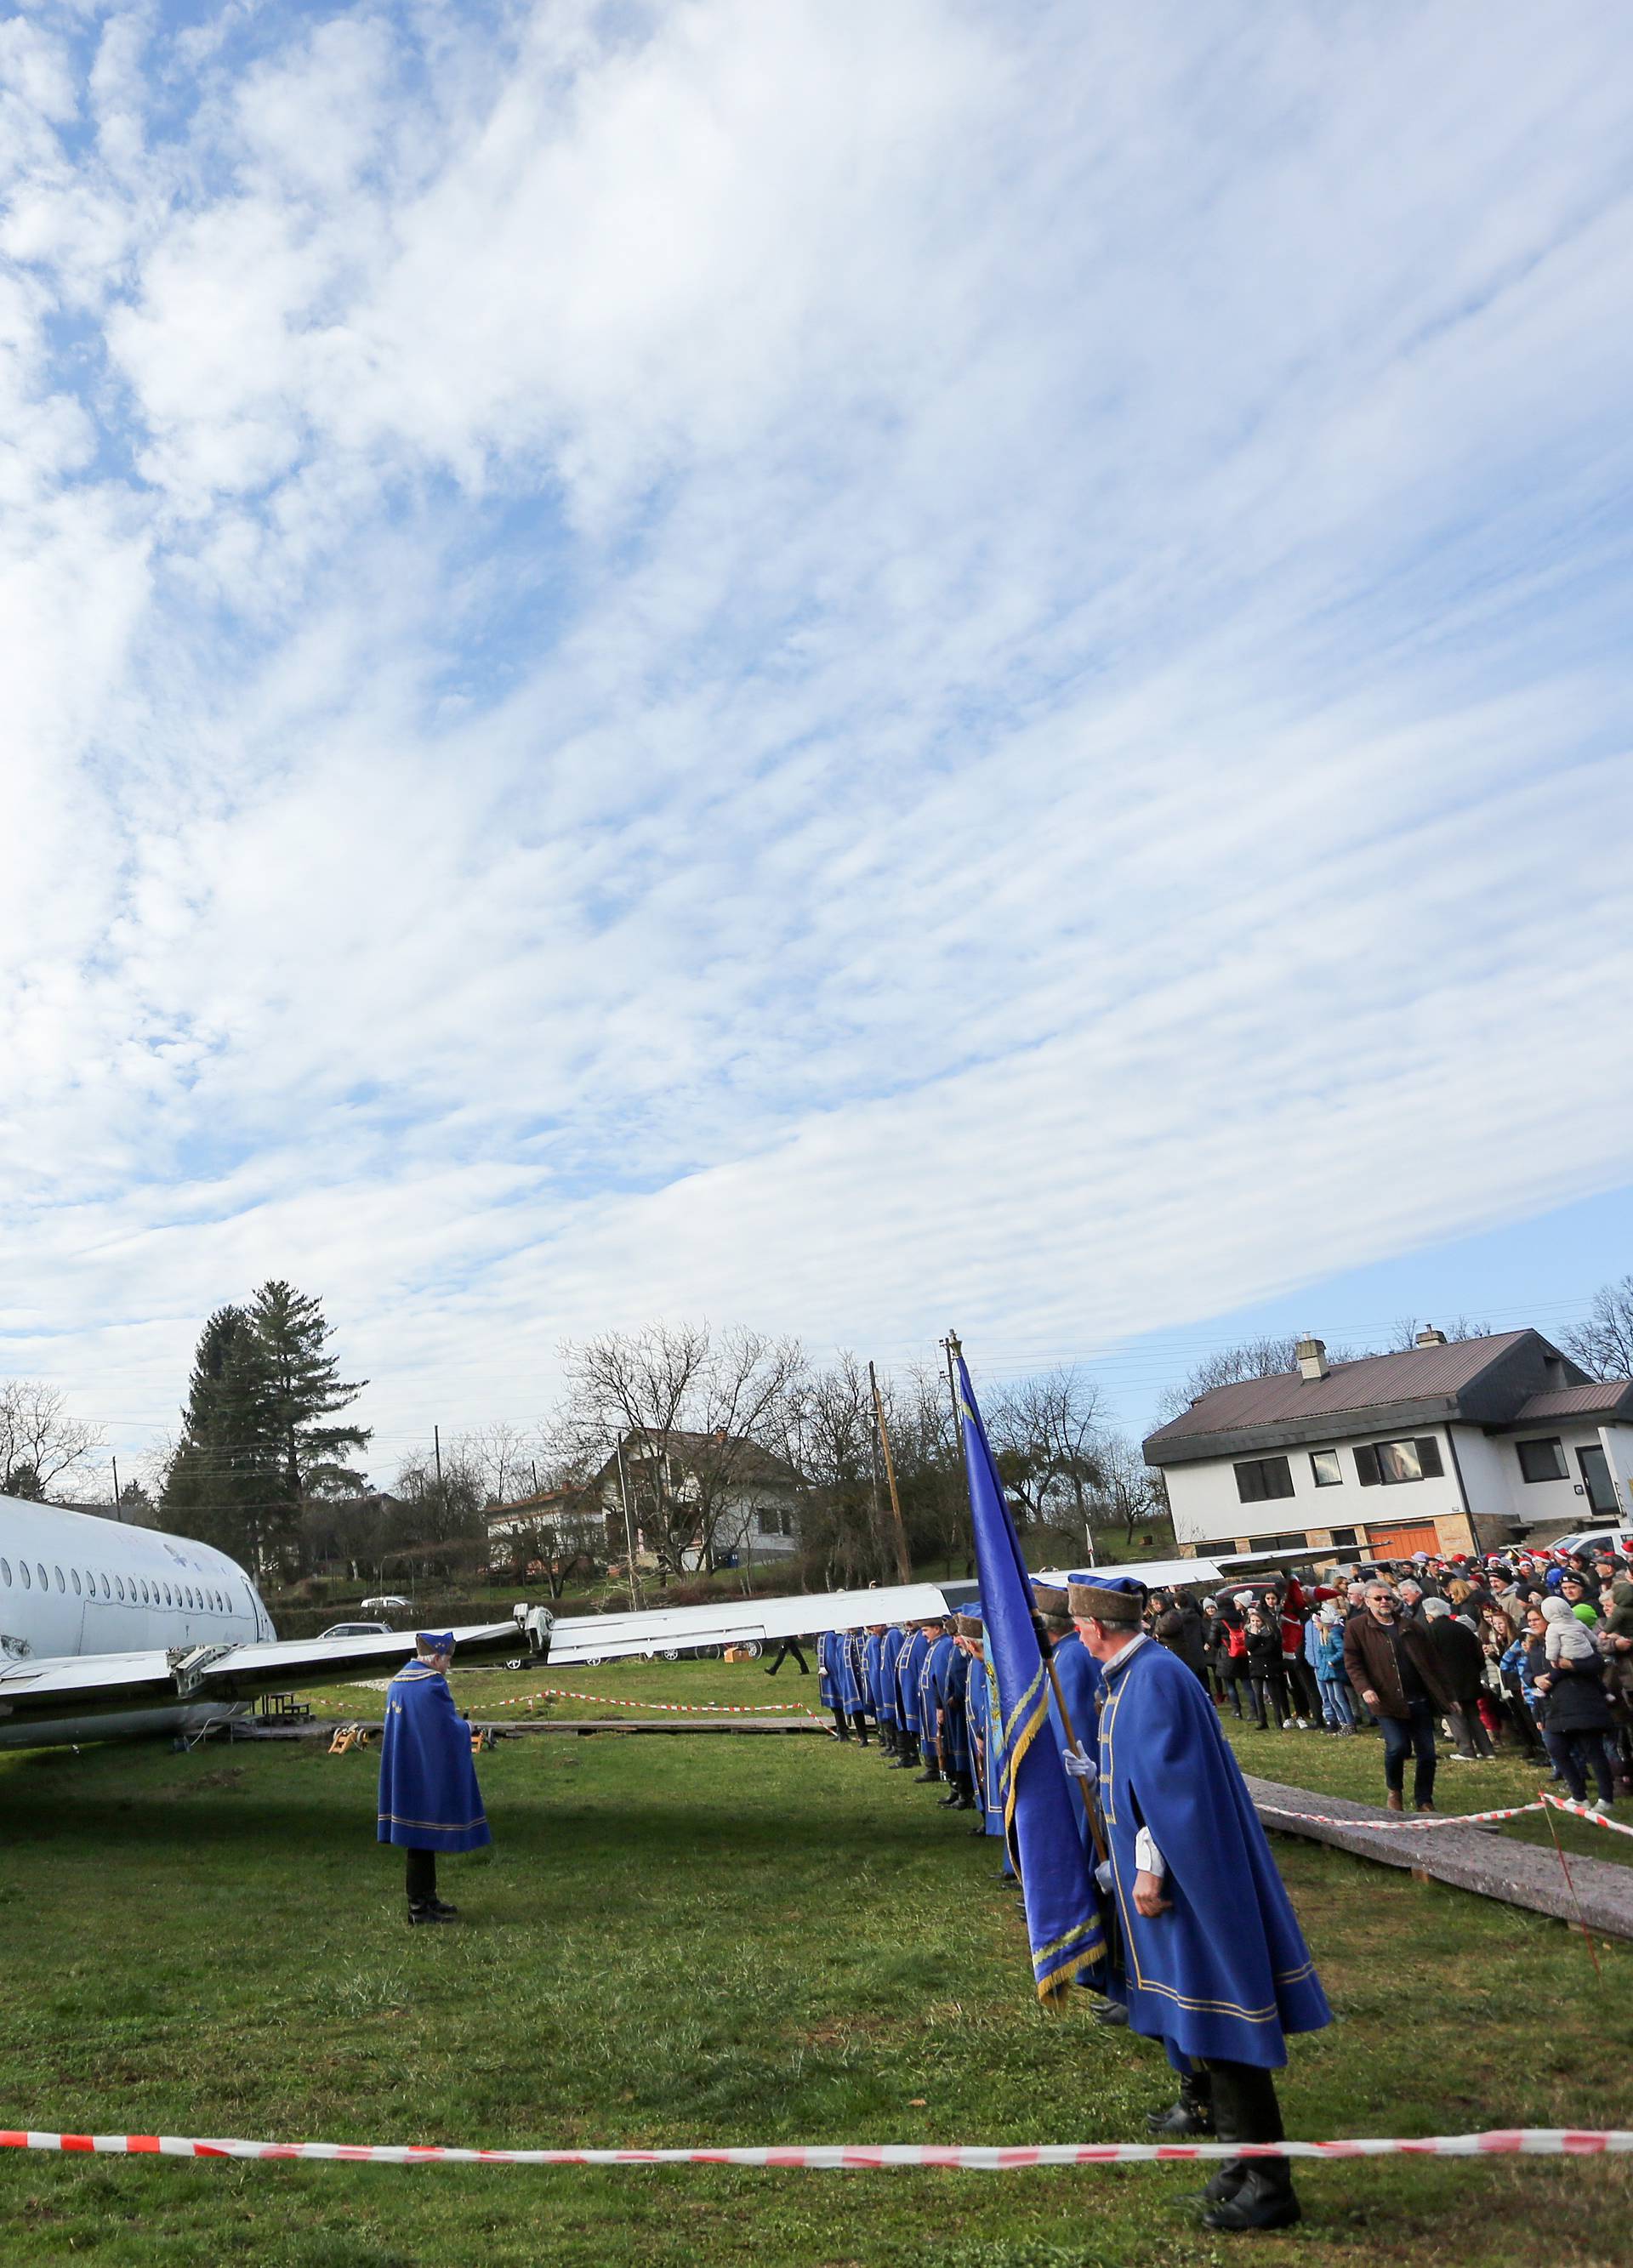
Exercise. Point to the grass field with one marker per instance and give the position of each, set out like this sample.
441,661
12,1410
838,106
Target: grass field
714,1940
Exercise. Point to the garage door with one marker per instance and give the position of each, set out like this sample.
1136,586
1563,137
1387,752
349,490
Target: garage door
1401,1543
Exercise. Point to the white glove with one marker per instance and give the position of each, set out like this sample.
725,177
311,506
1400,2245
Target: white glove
1103,1874
1080,1764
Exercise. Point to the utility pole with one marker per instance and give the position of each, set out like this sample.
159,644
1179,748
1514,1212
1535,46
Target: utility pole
882,1441
117,1513
636,1601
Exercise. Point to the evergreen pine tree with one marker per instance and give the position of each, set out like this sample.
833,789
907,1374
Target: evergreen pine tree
301,1388
254,1440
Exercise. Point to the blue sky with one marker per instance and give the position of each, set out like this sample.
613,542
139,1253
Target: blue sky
833,667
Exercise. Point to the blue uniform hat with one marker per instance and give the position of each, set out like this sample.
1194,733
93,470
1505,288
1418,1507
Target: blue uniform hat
435,1641
1106,1598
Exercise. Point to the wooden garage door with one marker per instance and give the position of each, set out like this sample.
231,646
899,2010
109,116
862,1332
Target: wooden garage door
1401,1543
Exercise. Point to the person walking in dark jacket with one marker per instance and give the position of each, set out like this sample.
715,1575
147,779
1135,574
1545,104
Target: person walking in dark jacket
1463,1663
1393,1668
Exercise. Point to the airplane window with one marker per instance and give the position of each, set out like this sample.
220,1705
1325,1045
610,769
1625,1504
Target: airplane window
60,1585
169,1601
45,1580
119,1589
28,1580
74,1571
5,1572
107,1594
90,1583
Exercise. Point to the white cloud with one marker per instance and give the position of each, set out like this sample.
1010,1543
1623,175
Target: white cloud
820,663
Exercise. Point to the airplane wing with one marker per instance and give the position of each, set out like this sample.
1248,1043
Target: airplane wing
117,1684
610,1637
1155,1574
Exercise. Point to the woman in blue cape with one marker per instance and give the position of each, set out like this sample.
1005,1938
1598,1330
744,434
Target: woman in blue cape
429,1800
1214,1962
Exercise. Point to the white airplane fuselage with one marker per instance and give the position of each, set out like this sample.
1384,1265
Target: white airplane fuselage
71,1585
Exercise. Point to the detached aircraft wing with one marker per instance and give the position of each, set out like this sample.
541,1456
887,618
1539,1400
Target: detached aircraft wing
84,1687
611,1637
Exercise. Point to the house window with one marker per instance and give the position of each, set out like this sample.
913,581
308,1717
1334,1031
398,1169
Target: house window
1384,1463
1541,1461
1261,1478
1345,1539
1325,1469
768,1523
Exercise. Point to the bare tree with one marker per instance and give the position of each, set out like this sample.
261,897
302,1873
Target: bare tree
1602,1342
831,1437
1128,1489
41,1442
694,1413
1045,1435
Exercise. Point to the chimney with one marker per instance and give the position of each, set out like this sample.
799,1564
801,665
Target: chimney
1311,1360
1429,1336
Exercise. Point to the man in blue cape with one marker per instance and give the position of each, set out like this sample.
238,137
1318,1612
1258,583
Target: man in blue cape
929,1703
890,1649
984,1718
958,1757
1214,1964
831,1679
429,1800
854,1684
881,1688
909,1663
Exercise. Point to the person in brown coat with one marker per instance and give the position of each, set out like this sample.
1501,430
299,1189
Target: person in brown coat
1393,1666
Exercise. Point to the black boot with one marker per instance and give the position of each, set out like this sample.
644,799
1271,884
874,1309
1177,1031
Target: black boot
1192,2115
1248,2193
954,1798
966,1792
932,1771
861,1723
841,1727
908,1758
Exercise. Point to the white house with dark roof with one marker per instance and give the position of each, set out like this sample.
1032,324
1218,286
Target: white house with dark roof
1448,1446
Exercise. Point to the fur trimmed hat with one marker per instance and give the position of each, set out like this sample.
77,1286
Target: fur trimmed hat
1107,1598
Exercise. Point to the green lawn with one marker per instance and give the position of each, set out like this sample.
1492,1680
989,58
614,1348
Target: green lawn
718,1941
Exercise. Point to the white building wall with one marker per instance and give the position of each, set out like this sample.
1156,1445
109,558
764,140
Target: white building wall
1207,1507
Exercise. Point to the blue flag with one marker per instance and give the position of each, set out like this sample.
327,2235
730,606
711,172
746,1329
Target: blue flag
1040,1824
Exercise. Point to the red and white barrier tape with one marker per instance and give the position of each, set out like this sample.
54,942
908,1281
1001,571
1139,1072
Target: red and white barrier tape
1581,1811
1545,1801
1398,1826
670,1708
1520,2141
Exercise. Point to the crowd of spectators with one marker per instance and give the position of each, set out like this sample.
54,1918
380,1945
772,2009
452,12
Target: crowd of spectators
1530,1652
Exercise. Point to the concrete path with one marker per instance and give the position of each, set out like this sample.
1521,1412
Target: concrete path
1487,1861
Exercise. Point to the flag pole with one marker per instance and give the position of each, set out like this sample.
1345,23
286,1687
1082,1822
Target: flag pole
955,1348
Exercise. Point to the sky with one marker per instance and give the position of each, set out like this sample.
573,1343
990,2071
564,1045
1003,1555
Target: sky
833,668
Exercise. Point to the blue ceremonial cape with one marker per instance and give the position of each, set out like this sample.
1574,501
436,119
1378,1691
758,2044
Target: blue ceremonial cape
852,1678
932,1693
930,1698
429,1800
1077,1674
1225,1972
955,1726
909,1667
881,1699
889,1694
979,1708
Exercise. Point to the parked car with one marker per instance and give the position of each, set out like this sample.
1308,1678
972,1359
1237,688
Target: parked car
389,1605
1591,1539
357,1629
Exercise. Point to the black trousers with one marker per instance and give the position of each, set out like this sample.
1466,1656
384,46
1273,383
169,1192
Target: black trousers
421,1876
790,1645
